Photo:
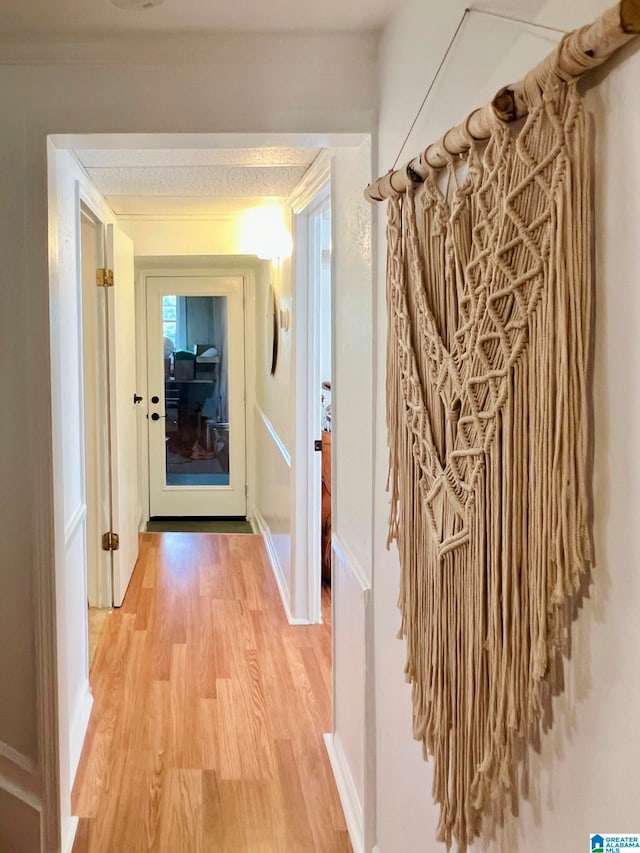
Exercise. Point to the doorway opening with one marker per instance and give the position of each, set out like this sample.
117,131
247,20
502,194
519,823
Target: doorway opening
272,459
314,409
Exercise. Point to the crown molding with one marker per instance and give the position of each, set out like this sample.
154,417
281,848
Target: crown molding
317,176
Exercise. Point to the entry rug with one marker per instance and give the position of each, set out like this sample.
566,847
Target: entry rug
198,525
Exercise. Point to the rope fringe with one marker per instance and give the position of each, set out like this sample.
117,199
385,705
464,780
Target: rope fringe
489,305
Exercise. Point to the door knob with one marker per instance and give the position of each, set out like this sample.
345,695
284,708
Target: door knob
155,399
156,417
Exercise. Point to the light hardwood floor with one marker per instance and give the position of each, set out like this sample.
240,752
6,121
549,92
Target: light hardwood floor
209,710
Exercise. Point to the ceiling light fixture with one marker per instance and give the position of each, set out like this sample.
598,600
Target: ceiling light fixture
136,4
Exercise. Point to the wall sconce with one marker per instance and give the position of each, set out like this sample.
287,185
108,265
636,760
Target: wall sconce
264,233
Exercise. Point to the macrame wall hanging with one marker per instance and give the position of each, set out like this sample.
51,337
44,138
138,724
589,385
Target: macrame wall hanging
489,306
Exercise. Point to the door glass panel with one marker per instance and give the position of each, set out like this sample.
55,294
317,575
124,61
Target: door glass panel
196,390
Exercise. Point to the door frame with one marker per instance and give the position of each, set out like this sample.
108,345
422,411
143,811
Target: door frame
99,579
63,671
313,192
190,265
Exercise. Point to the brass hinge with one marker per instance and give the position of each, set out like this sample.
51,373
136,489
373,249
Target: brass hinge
104,277
110,542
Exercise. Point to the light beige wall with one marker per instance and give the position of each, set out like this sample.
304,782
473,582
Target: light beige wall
172,236
17,661
585,778
283,84
273,425
19,825
274,393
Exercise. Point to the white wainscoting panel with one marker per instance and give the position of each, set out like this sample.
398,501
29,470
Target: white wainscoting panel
272,508
351,745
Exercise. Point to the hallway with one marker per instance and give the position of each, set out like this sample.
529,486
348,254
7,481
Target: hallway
209,710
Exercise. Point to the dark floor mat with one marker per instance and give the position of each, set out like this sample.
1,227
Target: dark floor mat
198,525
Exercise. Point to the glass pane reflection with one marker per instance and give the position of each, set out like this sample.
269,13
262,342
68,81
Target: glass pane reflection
196,390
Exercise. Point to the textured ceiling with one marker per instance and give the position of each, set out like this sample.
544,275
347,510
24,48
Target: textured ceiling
142,181
172,157
28,18
198,180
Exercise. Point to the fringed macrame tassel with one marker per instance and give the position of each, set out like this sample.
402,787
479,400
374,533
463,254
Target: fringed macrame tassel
487,411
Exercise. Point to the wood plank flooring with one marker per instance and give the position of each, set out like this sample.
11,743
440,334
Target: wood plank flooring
209,710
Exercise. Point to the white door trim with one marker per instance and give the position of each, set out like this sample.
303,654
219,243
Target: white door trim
61,724
309,196
191,265
187,500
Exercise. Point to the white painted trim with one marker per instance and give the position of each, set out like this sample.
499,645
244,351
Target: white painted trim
91,203
225,500
347,792
79,728
345,561
70,835
50,557
199,141
274,435
174,217
315,179
346,556
76,521
18,776
140,287
250,367
8,753
308,199
278,574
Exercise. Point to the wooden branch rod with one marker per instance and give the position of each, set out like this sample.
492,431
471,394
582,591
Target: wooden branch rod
578,52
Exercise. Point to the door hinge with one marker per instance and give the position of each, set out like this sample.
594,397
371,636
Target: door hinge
104,277
110,542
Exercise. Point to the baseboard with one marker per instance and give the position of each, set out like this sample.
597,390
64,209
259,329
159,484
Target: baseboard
283,589
79,730
347,793
69,834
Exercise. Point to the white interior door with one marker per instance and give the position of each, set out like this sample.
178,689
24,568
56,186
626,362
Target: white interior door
123,411
196,391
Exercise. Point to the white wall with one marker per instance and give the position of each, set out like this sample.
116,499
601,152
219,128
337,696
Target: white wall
352,486
162,236
67,186
273,418
585,779
272,415
272,84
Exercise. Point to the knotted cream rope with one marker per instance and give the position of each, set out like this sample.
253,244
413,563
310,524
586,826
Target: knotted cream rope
489,305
